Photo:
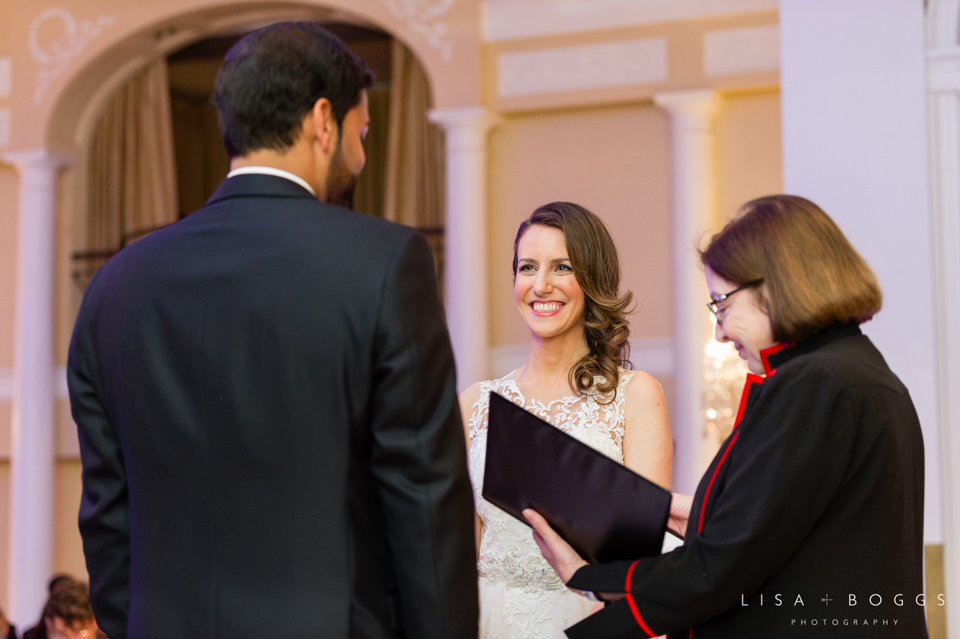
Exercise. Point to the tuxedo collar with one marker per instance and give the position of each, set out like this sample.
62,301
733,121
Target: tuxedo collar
259,185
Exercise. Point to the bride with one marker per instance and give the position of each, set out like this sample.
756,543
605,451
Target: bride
566,284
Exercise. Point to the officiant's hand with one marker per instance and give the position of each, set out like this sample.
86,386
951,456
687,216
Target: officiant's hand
679,513
558,553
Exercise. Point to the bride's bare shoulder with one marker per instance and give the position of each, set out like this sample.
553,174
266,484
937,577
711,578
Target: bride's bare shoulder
469,396
641,384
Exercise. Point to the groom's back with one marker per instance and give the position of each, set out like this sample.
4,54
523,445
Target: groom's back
245,360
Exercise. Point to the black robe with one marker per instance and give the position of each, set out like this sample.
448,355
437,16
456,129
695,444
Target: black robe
808,522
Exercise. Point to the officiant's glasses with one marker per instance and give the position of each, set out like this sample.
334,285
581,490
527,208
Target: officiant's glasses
714,304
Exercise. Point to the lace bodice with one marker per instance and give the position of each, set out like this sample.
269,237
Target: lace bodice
508,554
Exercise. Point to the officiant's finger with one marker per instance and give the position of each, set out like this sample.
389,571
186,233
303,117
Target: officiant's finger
540,524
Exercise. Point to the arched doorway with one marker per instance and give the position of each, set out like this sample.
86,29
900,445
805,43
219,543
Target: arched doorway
156,154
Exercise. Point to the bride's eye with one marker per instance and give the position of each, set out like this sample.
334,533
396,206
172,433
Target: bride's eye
565,267
525,268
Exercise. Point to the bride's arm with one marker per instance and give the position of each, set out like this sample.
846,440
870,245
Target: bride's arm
468,398
647,445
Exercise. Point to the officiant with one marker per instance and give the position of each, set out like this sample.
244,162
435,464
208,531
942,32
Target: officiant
810,517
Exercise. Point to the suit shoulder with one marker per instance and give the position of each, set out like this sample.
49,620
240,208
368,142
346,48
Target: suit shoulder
366,225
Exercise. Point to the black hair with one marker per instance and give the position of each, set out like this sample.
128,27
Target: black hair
271,79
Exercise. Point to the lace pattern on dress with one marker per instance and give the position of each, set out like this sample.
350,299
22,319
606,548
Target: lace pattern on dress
508,554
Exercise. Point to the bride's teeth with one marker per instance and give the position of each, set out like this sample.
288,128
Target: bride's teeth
546,308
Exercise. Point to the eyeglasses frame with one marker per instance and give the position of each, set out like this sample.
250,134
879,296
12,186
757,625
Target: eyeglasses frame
713,304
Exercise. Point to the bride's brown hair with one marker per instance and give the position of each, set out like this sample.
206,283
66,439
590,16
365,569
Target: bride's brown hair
596,265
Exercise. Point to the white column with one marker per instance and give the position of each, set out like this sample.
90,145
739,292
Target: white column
465,237
854,117
943,66
32,446
692,116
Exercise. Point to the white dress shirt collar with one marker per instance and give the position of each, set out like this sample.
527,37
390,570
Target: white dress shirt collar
269,170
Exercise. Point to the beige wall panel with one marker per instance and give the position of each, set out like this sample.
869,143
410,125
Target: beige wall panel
5,424
748,149
5,532
615,161
685,58
6,35
8,261
67,546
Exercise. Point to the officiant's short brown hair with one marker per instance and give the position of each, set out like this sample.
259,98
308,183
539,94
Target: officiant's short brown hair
808,276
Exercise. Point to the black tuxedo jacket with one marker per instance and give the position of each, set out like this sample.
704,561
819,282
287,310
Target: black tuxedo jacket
809,521
269,429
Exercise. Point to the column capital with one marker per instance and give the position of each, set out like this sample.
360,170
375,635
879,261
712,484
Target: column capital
698,102
470,117
37,158
943,71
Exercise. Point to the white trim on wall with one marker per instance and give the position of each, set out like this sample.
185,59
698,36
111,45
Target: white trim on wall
748,50
59,381
577,68
6,75
4,127
6,384
518,19
653,355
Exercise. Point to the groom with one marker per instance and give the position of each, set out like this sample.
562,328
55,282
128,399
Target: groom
265,391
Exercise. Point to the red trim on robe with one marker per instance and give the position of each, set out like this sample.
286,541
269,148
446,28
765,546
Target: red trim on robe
633,605
751,380
703,506
767,352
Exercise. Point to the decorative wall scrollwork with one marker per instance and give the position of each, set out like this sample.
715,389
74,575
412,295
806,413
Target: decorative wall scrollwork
54,57
424,17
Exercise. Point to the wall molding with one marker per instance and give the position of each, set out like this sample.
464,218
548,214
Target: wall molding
425,17
59,381
583,67
653,355
54,58
6,384
6,76
519,19
747,50
4,127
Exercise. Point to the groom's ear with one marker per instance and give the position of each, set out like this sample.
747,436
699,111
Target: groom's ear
323,125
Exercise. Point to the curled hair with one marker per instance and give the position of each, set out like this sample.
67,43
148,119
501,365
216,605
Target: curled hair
596,265
271,78
813,276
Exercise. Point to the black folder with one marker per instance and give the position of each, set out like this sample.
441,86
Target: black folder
603,509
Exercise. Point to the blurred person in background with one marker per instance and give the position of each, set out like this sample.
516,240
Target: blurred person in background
67,613
7,629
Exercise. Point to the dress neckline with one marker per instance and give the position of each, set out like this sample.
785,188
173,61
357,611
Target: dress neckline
590,394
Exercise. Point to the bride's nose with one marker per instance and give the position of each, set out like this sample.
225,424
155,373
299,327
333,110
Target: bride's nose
543,285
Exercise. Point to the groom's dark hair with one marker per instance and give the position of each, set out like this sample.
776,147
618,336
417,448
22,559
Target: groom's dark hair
271,79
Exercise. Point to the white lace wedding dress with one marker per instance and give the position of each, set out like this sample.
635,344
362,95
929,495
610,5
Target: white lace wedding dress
521,596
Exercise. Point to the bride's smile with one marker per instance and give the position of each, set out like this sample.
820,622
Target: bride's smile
546,308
